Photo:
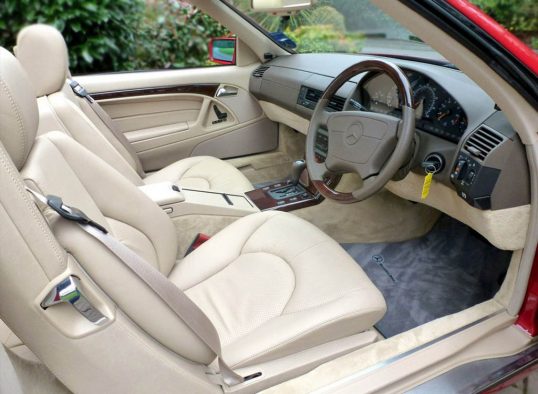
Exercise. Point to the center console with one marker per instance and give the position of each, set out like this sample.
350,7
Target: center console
287,195
177,201
283,196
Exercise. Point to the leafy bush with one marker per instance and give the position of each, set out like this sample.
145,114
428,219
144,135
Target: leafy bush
518,16
175,35
100,33
329,16
321,28
325,38
118,35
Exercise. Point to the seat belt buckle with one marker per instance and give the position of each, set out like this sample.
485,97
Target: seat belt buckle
197,242
217,378
68,291
72,214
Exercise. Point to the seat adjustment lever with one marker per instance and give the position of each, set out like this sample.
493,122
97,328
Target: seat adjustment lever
68,291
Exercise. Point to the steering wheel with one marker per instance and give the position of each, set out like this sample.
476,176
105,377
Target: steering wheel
372,145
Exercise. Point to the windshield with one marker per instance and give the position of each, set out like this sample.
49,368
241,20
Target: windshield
343,26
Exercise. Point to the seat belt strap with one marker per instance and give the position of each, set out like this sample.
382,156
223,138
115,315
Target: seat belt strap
79,90
172,295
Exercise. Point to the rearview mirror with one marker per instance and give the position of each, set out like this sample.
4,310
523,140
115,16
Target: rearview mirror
279,6
222,50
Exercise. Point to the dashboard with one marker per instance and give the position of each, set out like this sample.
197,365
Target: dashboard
437,111
483,160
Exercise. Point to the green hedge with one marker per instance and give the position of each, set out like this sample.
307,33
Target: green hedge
518,16
117,35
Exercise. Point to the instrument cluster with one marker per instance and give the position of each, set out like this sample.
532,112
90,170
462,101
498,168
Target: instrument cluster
437,112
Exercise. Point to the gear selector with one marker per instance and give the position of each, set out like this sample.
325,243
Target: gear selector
288,194
297,169
293,188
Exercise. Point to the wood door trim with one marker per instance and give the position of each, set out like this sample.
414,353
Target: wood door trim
204,89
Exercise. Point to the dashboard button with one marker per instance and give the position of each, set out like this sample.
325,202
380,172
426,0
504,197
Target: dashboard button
470,176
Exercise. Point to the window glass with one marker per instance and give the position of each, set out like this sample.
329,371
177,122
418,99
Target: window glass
347,26
353,26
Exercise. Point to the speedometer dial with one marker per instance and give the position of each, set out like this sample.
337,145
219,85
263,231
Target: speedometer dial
426,97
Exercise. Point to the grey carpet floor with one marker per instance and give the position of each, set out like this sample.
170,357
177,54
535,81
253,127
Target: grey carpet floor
446,271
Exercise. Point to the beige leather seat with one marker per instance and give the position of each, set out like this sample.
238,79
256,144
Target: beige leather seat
271,283
42,51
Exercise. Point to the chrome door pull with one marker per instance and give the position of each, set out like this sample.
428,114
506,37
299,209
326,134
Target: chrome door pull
226,91
68,291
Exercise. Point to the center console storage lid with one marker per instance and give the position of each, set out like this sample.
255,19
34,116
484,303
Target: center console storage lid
163,193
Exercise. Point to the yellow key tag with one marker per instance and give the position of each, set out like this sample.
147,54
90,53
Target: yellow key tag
427,184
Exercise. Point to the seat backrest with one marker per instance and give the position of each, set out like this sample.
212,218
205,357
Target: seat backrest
42,51
58,165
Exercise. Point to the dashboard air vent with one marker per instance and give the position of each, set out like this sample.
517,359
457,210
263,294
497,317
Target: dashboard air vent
482,141
337,103
258,73
309,97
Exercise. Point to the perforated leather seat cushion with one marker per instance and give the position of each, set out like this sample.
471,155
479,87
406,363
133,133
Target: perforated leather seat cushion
273,284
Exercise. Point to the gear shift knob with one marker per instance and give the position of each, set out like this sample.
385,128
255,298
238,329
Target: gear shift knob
297,169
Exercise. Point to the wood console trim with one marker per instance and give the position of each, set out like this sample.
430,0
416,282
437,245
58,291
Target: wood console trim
264,202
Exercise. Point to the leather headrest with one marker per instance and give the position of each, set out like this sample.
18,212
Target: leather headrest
42,51
19,116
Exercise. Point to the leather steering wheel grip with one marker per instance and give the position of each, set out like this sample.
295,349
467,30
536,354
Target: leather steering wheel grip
372,145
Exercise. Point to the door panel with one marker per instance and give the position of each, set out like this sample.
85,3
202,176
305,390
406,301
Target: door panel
169,122
139,113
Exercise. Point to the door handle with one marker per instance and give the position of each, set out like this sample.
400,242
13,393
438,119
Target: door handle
226,91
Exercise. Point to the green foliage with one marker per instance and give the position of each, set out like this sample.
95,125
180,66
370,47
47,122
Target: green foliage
359,15
117,35
174,36
325,38
328,16
99,33
518,16
321,28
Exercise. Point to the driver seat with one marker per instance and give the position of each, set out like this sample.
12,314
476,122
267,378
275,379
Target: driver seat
274,286
42,51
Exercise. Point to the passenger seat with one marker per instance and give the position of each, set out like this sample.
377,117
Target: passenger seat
277,295
42,51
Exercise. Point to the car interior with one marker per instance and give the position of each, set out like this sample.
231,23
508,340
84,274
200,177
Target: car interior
282,199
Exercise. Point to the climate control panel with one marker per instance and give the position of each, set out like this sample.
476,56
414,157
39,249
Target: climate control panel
474,182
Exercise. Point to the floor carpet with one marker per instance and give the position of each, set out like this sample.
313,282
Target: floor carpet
446,271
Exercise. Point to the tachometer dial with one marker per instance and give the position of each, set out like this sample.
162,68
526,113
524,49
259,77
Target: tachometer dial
451,115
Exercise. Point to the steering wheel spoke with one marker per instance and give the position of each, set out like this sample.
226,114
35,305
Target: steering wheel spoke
324,118
370,144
